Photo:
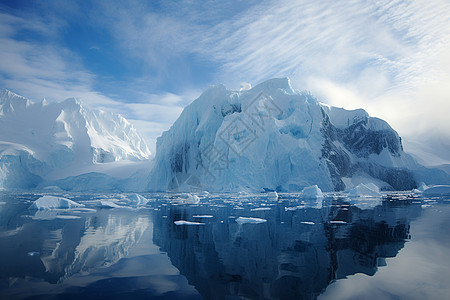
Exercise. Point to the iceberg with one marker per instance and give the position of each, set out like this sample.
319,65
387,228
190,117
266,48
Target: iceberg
437,190
54,202
273,137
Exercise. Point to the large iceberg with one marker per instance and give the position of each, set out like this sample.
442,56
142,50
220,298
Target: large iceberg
272,137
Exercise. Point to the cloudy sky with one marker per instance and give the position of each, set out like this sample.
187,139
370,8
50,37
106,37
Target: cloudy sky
149,59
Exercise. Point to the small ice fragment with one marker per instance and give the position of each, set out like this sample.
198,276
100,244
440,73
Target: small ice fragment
260,208
183,222
53,202
67,217
337,222
245,220
107,204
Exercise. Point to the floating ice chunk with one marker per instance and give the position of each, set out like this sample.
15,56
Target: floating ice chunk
312,192
137,200
365,190
188,198
273,196
292,208
183,222
261,208
337,222
202,216
67,217
245,220
107,204
53,202
437,190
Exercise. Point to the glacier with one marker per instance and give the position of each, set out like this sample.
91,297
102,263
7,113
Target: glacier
274,138
49,141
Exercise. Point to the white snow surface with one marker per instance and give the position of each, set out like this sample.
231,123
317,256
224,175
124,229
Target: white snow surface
54,202
61,137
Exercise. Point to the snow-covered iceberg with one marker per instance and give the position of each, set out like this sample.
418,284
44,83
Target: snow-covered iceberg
54,202
55,140
272,137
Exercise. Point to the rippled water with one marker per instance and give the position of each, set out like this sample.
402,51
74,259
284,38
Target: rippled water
293,248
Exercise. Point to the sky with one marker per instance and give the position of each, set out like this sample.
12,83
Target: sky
147,60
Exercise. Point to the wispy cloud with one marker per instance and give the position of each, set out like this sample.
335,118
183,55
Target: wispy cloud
385,56
379,55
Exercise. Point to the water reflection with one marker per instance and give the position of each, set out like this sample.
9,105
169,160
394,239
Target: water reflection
110,253
294,255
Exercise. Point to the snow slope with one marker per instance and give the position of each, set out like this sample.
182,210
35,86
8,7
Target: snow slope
273,137
40,140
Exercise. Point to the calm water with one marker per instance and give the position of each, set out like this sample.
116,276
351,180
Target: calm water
305,250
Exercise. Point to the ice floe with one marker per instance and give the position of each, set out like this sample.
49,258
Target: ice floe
54,202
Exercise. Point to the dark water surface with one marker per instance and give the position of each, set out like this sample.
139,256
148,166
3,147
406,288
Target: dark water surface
398,249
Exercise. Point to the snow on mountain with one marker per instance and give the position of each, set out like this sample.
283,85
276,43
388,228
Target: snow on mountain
48,139
272,137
